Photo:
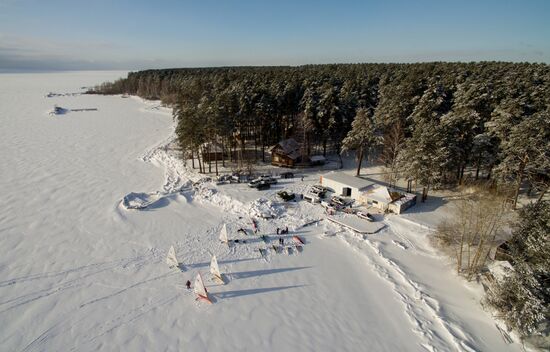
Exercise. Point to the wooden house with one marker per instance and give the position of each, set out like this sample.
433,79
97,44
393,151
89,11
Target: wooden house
286,153
212,151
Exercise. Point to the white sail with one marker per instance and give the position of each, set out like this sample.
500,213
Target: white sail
171,259
223,234
214,268
199,287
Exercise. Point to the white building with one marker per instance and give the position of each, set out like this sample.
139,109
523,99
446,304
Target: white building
385,199
344,184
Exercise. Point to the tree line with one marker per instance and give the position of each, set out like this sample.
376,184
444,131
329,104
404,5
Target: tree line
434,123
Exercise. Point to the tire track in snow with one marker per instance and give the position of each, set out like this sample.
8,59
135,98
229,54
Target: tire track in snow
423,311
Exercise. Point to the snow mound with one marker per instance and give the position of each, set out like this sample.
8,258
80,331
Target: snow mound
57,110
264,208
139,200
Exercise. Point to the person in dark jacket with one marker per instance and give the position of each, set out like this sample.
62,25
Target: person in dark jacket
188,284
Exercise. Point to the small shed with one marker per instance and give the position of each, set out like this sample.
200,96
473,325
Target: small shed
286,153
212,151
317,160
344,184
405,201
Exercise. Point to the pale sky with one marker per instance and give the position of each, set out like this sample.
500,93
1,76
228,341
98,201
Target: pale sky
128,35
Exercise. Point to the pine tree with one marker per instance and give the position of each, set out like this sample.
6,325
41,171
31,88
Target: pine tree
426,150
362,137
524,296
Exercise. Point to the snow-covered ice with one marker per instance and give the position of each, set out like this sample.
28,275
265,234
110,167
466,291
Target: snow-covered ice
79,271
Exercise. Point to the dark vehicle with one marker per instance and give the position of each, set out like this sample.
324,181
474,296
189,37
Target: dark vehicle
318,190
366,216
287,175
271,181
254,183
237,178
264,178
286,196
262,186
341,201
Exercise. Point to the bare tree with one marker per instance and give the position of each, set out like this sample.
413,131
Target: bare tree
472,231
394,141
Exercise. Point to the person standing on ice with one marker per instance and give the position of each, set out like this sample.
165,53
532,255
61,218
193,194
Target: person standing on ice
188,284
278,230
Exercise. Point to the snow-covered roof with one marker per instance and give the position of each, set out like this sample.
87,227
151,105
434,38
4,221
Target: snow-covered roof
348,180
384,195
380,194
287,146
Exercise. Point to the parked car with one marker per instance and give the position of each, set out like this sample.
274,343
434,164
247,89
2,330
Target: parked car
338,200
271,181
222,179
365,215
341,201
319,188
287,174
319,192
266,178
286,196
263,186
312,198
237,178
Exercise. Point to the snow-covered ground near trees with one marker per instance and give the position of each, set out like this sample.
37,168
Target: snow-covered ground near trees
79,271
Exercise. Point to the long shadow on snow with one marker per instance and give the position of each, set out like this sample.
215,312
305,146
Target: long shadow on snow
200,265
247,274
253,291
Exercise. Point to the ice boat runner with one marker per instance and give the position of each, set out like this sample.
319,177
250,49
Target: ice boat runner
171,259
215,270
200,290
223,234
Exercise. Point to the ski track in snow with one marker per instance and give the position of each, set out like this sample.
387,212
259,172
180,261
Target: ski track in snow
66,283
424,311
